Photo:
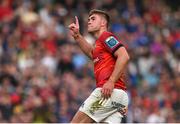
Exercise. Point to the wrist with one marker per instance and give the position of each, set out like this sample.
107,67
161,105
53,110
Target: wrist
76,36
112,80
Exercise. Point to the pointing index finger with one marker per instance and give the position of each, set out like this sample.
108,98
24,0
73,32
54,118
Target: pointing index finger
77,21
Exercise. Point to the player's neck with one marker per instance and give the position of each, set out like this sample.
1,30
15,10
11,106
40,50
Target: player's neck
98,33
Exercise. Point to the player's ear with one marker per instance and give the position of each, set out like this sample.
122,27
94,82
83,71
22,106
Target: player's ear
103,22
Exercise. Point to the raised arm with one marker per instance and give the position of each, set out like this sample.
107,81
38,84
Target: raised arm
84,45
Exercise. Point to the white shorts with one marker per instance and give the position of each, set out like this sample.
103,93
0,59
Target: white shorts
105,110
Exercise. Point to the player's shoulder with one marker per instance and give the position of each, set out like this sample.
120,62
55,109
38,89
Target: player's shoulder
111,41
106,35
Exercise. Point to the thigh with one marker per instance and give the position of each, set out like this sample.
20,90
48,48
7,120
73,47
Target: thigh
81,117
98,108
114,118
119,97
120,101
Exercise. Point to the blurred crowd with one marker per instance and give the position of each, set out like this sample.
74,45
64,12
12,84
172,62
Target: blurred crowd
45,77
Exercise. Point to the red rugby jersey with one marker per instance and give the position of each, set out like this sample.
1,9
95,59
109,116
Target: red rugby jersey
104,59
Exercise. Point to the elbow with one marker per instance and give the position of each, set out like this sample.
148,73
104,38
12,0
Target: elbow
128,58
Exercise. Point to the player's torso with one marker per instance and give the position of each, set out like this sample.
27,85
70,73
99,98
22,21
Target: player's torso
104,63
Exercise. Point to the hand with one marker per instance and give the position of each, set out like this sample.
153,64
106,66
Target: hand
107,89
74,28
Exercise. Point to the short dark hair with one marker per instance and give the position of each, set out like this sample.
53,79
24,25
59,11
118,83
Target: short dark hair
101,12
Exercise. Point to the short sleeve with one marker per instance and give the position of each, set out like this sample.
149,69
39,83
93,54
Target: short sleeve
112,43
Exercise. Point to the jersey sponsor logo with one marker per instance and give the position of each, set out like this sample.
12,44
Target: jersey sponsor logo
96,60
98,46
111,42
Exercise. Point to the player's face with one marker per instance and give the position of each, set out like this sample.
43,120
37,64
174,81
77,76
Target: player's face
94,23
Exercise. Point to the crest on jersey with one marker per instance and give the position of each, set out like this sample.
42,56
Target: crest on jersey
111,42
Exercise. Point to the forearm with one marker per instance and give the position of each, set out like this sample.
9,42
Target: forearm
84,45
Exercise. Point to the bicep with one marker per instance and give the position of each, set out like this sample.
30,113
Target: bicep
121,51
